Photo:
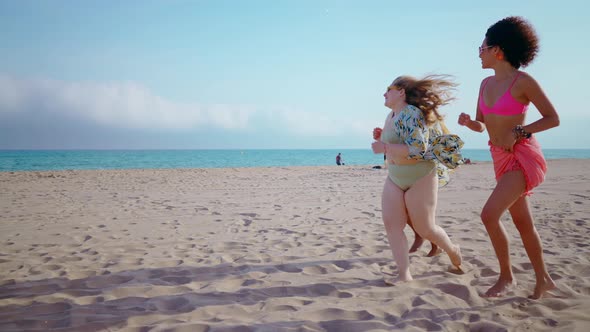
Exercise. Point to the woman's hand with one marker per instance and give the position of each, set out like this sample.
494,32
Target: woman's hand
378,147
464,119
377,133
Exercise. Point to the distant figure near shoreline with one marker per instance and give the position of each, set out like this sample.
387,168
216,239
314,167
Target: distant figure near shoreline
339,159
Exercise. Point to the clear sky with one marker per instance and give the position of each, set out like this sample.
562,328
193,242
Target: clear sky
260,74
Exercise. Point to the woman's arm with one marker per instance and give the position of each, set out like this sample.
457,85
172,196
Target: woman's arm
535,94
378,146
410,125
398,154
478,124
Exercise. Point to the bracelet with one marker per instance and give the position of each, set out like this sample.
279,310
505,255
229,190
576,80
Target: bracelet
520,133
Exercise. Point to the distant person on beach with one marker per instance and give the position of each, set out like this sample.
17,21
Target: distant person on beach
519,164
339,159
411,187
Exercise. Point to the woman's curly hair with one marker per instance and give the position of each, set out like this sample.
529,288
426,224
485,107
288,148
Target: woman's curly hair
517,38
428,93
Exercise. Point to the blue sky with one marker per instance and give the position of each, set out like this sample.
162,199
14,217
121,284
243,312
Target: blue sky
259,74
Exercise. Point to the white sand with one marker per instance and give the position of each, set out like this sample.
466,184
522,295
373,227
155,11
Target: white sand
272,249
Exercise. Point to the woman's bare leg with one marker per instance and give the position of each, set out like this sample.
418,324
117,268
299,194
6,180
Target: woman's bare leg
395,220
434,250
508,190
523,220
421,201
418,240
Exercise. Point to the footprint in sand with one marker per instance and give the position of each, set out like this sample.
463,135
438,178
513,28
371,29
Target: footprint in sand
250,282
107,281
288,268
339,314
281,307
174,304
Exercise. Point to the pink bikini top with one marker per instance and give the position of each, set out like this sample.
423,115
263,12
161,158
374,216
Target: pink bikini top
506,105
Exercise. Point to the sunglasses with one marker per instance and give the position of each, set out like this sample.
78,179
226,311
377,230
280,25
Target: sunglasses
393,87
481,49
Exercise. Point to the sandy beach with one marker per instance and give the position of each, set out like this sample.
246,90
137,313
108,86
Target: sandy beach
273,249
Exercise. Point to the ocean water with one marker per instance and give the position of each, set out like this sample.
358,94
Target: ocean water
43,160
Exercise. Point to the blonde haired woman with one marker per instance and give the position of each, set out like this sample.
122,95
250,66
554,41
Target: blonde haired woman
409,135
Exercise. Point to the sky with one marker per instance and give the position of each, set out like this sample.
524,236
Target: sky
275,74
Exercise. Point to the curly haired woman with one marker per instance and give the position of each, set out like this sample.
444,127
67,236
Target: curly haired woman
510,44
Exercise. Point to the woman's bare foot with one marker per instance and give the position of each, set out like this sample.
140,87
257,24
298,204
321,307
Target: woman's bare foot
455,256
434,250
417,243
541,287
500,288
398,280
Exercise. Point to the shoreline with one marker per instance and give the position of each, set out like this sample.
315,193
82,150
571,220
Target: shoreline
190,159
473,162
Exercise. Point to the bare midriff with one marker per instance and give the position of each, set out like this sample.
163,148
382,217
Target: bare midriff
500,127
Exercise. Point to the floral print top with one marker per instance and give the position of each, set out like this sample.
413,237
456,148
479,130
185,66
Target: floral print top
425,142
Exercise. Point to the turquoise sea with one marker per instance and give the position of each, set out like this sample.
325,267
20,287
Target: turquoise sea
43,160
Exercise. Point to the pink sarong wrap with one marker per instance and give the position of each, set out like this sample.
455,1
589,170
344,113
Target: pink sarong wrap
527,157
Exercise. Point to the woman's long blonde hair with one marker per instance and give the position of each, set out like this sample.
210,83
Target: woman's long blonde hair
428,93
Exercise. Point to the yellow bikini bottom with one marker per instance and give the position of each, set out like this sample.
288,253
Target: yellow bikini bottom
404,176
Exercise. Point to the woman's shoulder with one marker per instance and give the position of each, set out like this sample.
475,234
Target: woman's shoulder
524,77
412,111
485,80
525,84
